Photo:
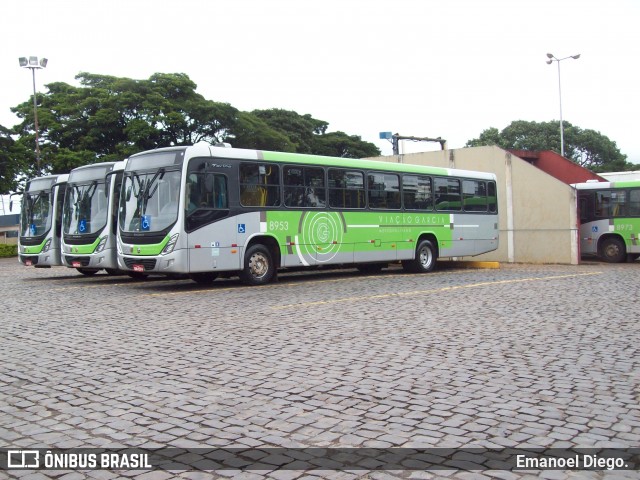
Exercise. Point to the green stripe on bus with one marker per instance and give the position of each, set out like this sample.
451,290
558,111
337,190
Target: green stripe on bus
146,250
351,163
86,248
35,248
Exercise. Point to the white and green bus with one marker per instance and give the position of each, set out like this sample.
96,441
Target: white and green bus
610,219
90,218
41,221
203,210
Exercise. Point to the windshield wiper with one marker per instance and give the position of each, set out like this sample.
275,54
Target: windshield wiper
147,193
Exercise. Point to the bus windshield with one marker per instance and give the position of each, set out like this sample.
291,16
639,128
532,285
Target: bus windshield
85,208
150,200
36,214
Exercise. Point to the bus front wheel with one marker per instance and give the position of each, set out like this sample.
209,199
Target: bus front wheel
258,266
425,260
613,250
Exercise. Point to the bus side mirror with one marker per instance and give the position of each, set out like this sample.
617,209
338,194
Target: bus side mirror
128,194
10,205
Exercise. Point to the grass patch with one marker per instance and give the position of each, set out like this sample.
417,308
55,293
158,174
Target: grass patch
8,251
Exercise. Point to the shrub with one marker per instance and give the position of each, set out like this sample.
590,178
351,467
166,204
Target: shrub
8,250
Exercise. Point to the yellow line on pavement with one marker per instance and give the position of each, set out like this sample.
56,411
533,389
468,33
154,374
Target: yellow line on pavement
424,292
303,282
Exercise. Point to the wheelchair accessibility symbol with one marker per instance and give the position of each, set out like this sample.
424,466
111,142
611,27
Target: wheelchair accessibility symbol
83,226
241,228
145,222
594,229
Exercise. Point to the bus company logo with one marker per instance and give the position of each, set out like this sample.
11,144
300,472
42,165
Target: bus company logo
23,459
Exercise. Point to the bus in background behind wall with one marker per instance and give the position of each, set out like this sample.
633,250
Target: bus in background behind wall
610,219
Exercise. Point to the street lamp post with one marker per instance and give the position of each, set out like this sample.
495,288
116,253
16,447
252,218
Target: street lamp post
552,59
34,64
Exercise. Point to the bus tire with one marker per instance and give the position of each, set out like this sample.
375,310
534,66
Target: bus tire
425,259
203,278
258,266
613,250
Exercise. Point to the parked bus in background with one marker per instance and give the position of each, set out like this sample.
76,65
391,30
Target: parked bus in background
610,219
41,221
89,218
203,210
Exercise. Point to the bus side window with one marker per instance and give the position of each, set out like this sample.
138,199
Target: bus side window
634,203
492,197
259,185
583,209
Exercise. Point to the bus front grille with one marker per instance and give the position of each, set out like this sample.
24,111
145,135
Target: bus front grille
147,263
84,261
33,259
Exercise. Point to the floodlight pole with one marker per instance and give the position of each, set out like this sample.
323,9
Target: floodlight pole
33,64
552,59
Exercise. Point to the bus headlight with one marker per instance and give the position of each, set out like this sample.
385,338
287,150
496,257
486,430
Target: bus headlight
101,245
46,247
170,244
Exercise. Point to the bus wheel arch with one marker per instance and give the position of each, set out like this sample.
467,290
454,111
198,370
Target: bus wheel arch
426,255
261,260
612,248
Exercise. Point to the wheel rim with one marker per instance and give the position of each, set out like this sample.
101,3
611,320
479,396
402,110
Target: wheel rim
612,250
258,265
426,257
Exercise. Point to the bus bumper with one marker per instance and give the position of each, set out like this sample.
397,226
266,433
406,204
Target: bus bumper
42,260
174,262
105,259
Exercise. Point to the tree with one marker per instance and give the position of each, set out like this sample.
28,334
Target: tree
109,118
300,129
13,161
587,148
309,135
250,131
339,144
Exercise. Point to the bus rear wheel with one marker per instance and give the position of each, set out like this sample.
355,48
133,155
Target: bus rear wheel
258,266
613,250
425,259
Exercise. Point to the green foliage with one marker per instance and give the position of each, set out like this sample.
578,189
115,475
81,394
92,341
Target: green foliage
309,135
8,251
251,131
339,144
15,160
108,118
587,148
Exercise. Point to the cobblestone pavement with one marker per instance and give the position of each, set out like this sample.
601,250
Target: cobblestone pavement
521,356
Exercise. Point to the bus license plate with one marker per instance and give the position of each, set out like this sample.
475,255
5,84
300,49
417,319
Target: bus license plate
76,264
27,263
138,268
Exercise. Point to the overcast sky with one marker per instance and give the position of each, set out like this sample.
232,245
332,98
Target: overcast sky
449,68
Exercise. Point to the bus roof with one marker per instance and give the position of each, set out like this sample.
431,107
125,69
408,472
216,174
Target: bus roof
205,149
607,185
94,171
46,182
